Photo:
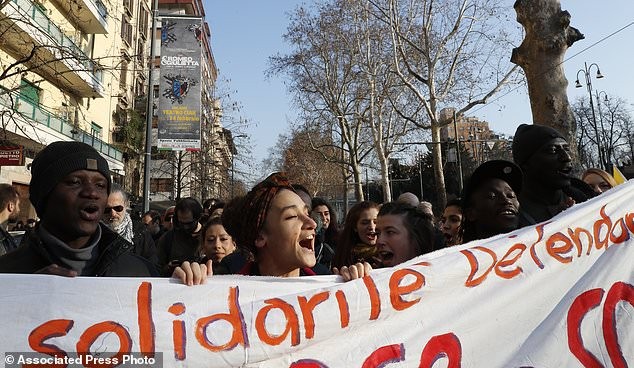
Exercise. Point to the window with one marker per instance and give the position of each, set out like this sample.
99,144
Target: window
139,87
95,130
123,78
128,5
143,22
126,30
161,185
140,52
30,92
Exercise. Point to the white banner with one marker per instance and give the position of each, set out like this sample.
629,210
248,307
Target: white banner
559,294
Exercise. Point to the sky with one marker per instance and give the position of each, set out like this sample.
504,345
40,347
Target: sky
245,33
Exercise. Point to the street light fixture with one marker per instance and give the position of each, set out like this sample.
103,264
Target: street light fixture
586,72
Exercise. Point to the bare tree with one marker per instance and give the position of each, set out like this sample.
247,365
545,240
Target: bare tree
384,96
324,78
613,125
447,53
306,166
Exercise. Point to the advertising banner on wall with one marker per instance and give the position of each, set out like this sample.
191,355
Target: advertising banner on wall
556,294
180,84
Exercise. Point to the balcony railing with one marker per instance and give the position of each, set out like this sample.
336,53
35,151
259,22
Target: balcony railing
37,113
45,24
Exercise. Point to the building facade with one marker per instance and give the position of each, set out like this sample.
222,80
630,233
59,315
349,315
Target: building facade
476,137
62,78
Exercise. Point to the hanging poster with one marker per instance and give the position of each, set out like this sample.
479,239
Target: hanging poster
179,86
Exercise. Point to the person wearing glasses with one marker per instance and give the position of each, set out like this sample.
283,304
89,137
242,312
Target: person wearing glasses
181,243
116,214
70,184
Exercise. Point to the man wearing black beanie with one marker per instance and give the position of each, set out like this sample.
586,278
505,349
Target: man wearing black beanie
70,183
545,159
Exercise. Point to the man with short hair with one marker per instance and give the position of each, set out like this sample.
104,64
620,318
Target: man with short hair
116,214
9,210
70,183
544,156
145,241
181,243
152,223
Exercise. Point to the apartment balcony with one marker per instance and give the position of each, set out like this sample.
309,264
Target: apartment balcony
90,15
25,28
30,125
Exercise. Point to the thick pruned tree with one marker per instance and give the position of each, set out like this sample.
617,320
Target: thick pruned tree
548,35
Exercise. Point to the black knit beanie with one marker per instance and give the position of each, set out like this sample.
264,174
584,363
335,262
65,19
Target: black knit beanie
57,160
529,139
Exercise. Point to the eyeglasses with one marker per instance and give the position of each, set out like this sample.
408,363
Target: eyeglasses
115,208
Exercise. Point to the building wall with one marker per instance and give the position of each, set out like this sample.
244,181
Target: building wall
76,97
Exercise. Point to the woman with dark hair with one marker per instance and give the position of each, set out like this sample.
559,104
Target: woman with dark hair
357,240
272,223
403,232
490,204
215,242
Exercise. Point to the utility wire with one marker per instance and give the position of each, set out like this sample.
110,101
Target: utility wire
571,57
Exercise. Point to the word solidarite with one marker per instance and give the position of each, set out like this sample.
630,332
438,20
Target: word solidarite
402,283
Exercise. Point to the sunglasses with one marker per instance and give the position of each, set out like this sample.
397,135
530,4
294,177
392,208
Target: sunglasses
116,208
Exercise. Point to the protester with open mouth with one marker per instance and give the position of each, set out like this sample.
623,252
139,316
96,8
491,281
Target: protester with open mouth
403,232
489,203
70,183
544,156
274,225
357,240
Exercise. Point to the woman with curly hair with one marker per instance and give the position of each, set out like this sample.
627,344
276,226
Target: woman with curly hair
273,224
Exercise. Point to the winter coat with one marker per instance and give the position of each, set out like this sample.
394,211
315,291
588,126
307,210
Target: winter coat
116,257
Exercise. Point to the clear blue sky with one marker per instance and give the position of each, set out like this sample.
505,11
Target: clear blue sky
246,32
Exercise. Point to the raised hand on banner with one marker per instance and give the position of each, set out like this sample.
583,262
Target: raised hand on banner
355,271
56,270
193,273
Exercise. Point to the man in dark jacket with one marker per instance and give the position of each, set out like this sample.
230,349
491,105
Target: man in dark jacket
549,186
182,242
9,210
69,188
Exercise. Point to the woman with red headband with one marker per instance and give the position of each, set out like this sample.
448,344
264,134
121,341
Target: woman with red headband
274,225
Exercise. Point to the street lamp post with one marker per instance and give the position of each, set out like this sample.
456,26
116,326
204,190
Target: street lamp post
586,73
598,95
233,183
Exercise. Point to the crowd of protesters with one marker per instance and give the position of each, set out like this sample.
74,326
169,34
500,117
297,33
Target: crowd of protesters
277,228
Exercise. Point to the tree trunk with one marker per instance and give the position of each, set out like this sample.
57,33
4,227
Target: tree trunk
439,177
356,177
541,54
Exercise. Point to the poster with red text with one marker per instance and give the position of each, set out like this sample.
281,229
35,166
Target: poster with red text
559,294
